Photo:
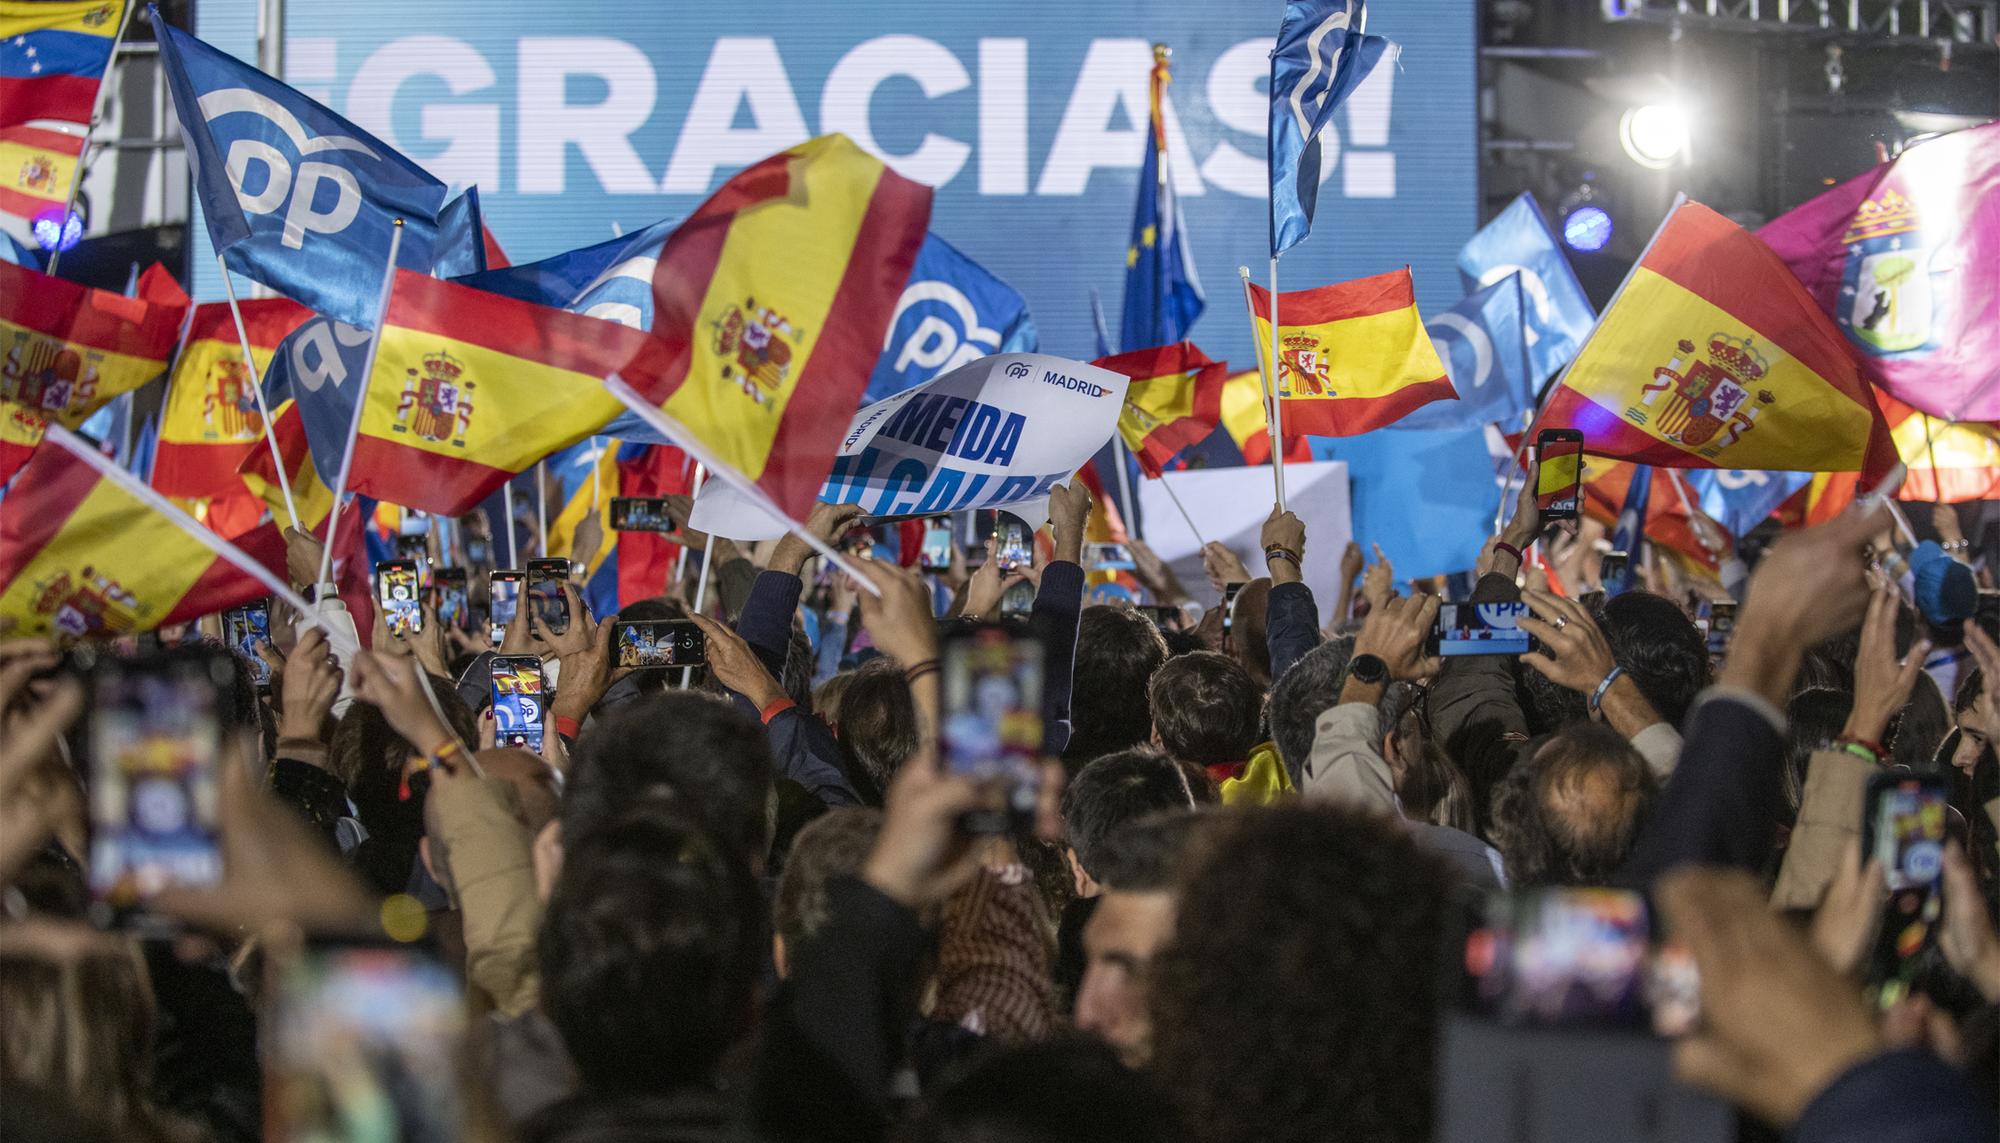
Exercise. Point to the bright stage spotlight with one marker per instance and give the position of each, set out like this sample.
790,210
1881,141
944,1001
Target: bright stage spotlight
1654,135
56,231
1587,228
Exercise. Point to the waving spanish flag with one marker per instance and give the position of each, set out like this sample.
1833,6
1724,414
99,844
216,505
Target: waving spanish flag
52,57
85,549
260,475
37,167
210,419
1352,357
70,349
21,429
470,388
770,304
1175,400
1712,355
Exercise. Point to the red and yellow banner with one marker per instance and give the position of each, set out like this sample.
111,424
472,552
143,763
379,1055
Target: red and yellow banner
82,553
1174,401
470,388
21,429
53,56
260,475
37,167
1352,357
1713,356
770,307
69,349
210,418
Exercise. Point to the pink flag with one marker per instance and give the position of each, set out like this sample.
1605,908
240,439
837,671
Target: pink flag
1907,260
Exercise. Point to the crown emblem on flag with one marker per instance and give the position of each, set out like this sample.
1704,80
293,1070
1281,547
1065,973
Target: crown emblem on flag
1303,369
87,604
46,374
436,402
38,173
97,16
230,409
1706,397
1892,213
755,343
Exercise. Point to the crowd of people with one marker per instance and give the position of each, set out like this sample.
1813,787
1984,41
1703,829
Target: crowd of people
754,904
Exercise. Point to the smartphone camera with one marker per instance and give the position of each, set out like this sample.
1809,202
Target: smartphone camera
1480,629
244,630
1721,625
503,601
517,701
1904,827
936,552
545,594
1578,958
454,601
1012,545
640,514
649,644
1559,473
993,729
397,589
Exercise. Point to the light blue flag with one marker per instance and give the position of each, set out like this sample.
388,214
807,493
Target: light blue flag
1559,317
295,196
1630,530
1427,498
13,252
952,311
461,238
1740,499
1321,57
320,365
1483,340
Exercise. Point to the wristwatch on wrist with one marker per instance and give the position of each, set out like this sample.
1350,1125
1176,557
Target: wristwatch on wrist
1369,669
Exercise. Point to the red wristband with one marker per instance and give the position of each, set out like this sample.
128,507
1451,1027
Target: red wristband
774,708
567,726
1504,546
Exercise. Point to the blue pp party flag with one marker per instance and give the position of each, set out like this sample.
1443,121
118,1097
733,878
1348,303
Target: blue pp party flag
1740,499
1518,241
1162,293
295,196
1483,340
320,365
1321,57
952,311
1630,530
461,237
1427,498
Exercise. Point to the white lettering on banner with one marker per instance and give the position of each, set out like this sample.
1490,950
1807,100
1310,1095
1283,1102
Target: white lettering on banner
601,131
850,89
316,357
1114,73
280,181
745,77
741,69
1737,479
469,158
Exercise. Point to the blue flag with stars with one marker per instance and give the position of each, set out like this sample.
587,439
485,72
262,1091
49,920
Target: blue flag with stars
1162,292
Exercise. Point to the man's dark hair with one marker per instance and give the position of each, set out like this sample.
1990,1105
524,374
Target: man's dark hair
650,950
1206,708
1143,855
368,756
1812,721
1309,688
1116,789
835,843
1072,1090
1117,651
1568,814
1917,729
696,746
1309,894
1661,648
878,726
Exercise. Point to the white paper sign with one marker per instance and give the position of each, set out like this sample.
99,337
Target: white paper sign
1000,431
1230,505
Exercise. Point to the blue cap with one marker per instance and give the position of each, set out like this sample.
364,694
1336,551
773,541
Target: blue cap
1946,592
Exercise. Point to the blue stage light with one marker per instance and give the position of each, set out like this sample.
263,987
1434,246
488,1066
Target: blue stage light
1587,229
55,231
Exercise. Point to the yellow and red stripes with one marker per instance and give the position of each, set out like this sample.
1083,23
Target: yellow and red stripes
1354,356
67,349
210,419
1174,400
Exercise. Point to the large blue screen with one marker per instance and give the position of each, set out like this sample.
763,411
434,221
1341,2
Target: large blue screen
581,116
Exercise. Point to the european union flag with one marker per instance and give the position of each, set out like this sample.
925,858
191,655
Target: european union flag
1321,57
1483,340
952,311
1162,293
1738,499
1518,241
295,196
1630,530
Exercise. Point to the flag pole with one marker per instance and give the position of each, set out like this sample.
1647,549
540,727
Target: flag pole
700,596
1120,454
542,506
596,466
360,403
507,506
694,490
1171,495
1930,453
235,556
694,446
83,155
257,387
1265,369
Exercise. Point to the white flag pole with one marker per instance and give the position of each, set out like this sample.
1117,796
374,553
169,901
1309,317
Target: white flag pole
680,434
257,387
360,404
1171,495
507,507
1266,371
86,452
1119,453
542,506
681,561
96,116
700,597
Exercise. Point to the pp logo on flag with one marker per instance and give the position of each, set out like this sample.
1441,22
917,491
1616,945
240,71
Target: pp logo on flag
302,191
946,335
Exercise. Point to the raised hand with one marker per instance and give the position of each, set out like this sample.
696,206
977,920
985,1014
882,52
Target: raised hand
307,686
1378,583
1575,653
1069,516
736,666
1222,567
1285,533
1396,633
899,619
1882,684
1809,586
828,522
